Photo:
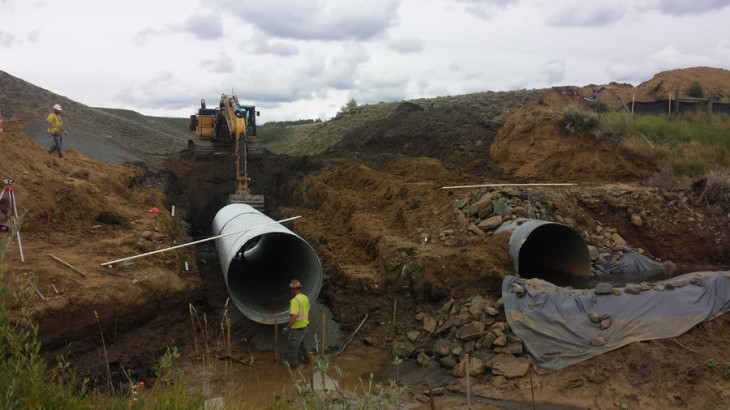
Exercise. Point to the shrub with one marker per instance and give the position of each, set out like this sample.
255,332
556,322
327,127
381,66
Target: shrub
695,90
600,106
714,186
576,120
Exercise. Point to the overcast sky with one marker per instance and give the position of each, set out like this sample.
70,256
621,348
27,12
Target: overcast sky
306,59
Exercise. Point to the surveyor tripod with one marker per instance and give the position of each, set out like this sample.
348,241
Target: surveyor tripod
13,211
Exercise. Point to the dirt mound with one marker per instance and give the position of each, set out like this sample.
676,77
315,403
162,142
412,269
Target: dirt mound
87,212
715,81
537,143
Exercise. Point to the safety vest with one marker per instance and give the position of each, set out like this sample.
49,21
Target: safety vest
54,122
299,307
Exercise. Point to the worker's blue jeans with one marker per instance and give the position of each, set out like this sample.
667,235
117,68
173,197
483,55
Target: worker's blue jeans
57,143
295,346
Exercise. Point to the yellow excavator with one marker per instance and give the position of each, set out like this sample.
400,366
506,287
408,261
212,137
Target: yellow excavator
229,124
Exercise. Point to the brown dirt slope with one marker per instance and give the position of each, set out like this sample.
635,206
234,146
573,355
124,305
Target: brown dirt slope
87,212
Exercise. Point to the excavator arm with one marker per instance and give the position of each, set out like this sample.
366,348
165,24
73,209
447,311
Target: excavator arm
229,124
235,117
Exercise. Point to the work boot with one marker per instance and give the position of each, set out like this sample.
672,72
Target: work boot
305,359
60,155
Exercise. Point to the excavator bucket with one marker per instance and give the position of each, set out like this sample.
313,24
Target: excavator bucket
201,148
255,201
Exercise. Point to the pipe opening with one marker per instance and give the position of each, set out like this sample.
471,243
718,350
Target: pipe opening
258,278
553,249
547,250
259,262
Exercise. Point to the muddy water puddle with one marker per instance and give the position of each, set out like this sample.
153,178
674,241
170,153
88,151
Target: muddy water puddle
261,382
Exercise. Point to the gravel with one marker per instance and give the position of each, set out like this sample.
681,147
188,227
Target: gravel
93,146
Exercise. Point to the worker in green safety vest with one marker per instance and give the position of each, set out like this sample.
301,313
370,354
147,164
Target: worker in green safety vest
297,327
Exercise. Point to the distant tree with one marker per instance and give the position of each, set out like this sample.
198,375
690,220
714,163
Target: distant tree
351,105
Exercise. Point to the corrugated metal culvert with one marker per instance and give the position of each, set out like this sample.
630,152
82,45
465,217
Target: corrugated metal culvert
259,262
545,249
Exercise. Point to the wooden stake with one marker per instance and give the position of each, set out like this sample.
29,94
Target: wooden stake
321,353
468,389
532,389
395,307
36,289
670,106
229,337
430,395
276,338
59,260
353,335
633,102
54,288
311,371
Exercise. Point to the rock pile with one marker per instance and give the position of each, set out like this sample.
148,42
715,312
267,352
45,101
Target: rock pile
473,330
481,211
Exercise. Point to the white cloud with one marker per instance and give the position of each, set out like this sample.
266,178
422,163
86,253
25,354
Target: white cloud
278,48
486,9
206,26
406,45
164,90
668,58
683,7
581,16
222,64
301,59
381,88
553,72
34,35
7,39
317,19
343,67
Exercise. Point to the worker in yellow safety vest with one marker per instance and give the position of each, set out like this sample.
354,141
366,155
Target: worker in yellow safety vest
297,327
55,129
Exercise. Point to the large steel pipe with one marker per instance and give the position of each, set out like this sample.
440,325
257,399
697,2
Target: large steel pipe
546,249
259,262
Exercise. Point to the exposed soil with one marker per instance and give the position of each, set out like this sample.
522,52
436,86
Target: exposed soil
373,208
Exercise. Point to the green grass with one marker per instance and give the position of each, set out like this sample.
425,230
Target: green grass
268,134
691,143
